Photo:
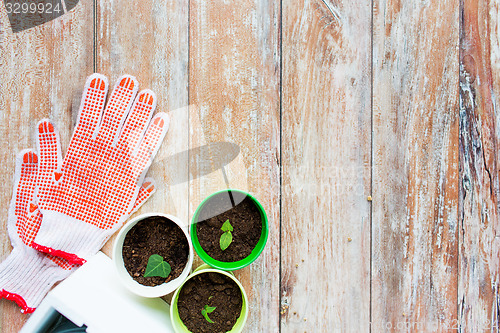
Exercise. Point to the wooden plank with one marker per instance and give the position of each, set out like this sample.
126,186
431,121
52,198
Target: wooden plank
42,73
415,165
326,140
478,294
149,39
234,97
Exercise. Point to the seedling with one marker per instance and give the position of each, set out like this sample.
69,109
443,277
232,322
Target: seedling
226,238
206,310
157,267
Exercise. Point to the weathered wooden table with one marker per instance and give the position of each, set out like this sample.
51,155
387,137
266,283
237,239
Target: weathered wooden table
369,130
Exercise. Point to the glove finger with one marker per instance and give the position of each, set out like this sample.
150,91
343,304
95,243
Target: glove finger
91,107
117,109
137,121
151,143
25,179
49,149
22,196
145,192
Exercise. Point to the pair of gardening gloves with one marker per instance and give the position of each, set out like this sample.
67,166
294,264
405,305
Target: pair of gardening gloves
64,210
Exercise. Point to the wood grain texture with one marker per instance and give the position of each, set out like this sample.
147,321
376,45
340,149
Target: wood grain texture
234,97
418,131
42,72
149,39
478,295
415,166
326,140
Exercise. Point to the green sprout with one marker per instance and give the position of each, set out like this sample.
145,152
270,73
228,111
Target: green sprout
206,310
227,237
157,267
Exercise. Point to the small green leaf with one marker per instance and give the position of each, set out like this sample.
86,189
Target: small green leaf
206,310
225,240
227,226
157,267
227,237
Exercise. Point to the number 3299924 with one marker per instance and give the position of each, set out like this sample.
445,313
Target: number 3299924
32,8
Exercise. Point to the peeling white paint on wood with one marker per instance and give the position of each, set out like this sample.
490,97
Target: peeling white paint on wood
422,255
415,166
478,292
326,130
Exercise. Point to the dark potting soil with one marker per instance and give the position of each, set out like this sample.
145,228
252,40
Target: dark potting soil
155,235
245,218
215,290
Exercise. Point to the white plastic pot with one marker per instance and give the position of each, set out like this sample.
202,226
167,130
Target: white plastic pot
128,281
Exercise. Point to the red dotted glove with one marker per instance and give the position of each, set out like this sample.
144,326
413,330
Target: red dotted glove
27,275
87,196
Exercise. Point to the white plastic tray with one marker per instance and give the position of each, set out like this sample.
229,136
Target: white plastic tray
93,296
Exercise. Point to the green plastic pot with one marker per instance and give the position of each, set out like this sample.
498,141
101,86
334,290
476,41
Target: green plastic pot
230,266
177,323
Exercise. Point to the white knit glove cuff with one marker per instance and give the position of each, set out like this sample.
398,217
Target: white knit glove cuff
27,275
66,237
